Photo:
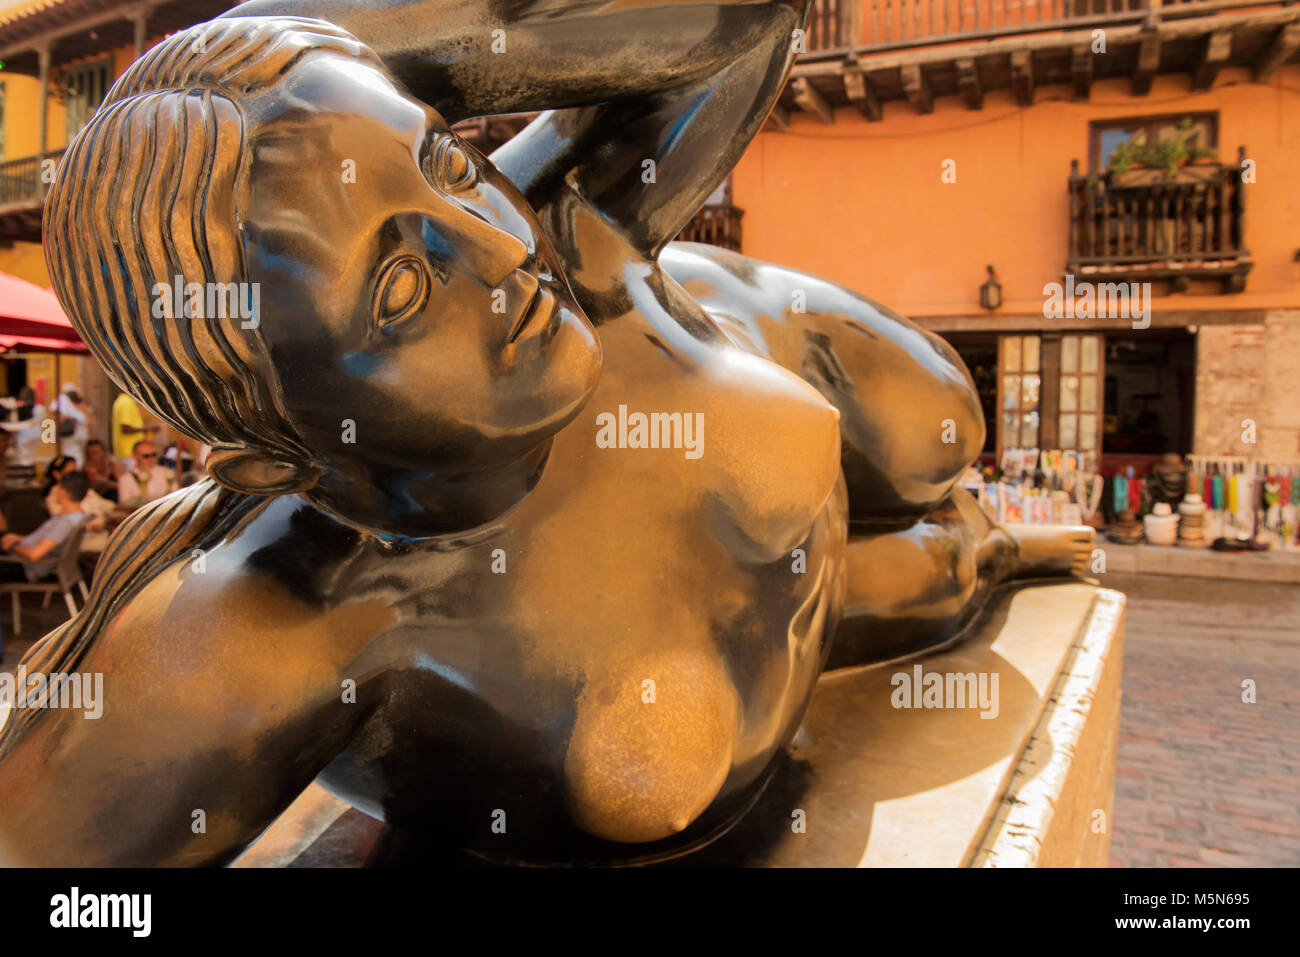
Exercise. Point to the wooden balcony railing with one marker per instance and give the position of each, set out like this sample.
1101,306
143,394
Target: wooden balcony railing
1148,225
832,24
869,25
715,225
21,180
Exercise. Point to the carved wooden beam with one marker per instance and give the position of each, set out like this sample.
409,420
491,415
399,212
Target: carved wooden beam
858,89
1022,77
917,87
1081,64
779,118
809,100
1148,62
1285,43
1218,46
968,81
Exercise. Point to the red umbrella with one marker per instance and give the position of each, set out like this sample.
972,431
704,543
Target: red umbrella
36,344
28,311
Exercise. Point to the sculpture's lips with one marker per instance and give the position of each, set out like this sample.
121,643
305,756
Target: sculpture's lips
539,307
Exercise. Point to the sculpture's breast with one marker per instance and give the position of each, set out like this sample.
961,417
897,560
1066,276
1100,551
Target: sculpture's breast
622,655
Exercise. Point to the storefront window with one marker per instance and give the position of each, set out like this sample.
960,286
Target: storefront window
1019,393
1079,405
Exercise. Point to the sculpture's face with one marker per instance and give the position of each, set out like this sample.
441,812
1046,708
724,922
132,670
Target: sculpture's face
404,283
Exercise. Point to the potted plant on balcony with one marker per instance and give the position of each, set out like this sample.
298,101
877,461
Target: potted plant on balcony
1139,163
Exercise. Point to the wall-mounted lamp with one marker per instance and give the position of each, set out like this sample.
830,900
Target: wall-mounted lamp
991,291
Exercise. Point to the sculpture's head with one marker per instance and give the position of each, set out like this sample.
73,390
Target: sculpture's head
270,244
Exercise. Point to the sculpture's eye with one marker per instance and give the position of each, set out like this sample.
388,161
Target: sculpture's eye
401,291
450,166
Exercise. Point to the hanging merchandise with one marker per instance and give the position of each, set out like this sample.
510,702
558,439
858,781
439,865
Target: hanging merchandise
1250,504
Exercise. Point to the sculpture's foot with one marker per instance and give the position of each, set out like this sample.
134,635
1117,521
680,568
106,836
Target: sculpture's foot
1037,551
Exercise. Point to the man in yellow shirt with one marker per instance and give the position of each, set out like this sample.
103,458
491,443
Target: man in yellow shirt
127,426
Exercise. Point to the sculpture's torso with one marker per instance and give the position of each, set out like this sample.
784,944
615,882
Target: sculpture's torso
627,650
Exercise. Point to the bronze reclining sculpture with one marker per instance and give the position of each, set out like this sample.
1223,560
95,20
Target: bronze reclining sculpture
441,564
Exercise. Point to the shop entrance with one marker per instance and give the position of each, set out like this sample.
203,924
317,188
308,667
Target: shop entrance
1045,389
1150,393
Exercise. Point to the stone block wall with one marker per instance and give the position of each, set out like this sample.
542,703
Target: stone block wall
1249,374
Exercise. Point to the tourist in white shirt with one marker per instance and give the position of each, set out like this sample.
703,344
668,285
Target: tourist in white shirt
27,442
72,408
146,480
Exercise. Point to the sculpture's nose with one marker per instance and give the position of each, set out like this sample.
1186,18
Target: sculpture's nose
489,251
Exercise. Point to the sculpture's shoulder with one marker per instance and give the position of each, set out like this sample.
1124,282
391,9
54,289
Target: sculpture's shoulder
207,580
164,530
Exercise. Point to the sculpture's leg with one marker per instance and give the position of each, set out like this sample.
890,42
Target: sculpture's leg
914,588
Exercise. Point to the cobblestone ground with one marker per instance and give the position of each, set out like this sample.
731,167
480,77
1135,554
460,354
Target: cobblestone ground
1204,779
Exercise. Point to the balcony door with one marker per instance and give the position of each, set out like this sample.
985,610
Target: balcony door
86,86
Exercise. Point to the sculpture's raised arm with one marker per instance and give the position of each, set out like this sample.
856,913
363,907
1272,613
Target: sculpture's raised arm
471,58
684,85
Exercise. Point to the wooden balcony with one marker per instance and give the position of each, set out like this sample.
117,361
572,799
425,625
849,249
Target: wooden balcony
22,197
75,30
1151,226
715,225
860,54
842,26
486,133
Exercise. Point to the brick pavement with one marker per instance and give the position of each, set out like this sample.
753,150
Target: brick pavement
1204,779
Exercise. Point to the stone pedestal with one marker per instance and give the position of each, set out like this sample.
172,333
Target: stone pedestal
872,783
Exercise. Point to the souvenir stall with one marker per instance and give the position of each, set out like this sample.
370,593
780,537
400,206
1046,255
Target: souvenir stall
1040,487
1228,503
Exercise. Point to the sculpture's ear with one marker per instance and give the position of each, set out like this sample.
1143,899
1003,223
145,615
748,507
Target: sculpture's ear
259,473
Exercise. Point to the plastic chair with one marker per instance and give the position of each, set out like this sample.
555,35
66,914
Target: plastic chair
67,575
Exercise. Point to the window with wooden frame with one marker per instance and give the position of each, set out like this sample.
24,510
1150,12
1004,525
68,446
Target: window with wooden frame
1195,131
1081,401
1019,382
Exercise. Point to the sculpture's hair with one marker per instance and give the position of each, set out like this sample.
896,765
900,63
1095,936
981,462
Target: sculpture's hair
149,191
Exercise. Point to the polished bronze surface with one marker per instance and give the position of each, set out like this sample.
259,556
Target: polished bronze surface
520,536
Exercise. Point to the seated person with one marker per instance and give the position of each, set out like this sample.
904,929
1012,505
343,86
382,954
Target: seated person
102,470
6,443
97,509
145,481
41,549
59,466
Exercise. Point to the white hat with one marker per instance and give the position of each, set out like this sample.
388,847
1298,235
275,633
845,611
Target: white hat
69,387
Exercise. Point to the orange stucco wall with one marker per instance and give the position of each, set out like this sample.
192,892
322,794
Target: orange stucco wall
863,203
